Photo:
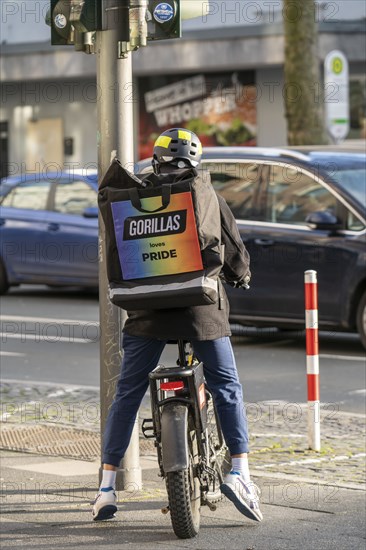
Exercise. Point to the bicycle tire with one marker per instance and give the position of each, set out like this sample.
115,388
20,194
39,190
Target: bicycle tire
184,494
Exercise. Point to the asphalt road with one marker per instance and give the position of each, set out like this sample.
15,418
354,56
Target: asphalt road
53,336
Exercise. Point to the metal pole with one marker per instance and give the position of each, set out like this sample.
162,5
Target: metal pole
111,114
131,478
110,354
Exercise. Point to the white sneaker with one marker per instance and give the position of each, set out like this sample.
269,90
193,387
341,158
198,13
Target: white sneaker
245,496
105,504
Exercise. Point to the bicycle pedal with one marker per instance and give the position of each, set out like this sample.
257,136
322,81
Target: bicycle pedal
148,428
211,506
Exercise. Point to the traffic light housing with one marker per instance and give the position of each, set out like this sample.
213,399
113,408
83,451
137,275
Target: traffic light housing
164,20
75,22
70,19
59,20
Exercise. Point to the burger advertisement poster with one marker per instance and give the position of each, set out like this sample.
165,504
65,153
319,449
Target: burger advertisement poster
219,108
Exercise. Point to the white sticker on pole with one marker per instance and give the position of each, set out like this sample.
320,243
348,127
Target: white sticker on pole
60,21
336,95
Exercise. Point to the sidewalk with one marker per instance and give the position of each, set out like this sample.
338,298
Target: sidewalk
309,499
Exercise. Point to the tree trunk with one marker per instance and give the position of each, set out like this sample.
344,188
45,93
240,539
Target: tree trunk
303,88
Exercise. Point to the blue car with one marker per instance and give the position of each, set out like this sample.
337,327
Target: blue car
49,230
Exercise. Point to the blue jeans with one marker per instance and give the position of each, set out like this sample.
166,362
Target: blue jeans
141,356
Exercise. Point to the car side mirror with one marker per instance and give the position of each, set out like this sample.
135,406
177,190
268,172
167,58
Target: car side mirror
91,212
323,219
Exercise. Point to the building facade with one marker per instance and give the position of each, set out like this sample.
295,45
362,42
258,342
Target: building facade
226,83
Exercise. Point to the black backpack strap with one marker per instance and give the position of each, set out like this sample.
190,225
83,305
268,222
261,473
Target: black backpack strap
136,201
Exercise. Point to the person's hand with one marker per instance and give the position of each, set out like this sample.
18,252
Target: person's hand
243,283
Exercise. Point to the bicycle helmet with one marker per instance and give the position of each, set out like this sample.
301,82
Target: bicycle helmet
179,147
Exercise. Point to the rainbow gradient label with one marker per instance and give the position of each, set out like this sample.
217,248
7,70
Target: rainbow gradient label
154,244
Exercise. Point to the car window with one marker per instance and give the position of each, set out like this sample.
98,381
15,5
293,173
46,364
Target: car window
353,181
353,222
237,183
292,195
74,197
29,196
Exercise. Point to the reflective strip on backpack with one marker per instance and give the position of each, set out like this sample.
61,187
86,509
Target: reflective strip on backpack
200,282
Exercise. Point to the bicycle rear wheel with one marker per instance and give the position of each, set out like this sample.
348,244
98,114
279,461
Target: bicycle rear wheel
184,492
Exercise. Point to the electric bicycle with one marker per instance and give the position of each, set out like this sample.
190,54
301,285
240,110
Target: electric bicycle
192,455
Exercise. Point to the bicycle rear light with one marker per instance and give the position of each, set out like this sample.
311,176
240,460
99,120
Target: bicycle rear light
172,386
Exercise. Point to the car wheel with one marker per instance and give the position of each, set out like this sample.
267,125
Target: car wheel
361,319
4,285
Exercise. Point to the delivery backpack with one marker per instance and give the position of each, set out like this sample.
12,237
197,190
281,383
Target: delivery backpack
163,239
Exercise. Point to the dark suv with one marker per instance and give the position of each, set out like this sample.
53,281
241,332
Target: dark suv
296,212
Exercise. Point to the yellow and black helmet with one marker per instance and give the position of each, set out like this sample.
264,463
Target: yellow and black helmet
179,147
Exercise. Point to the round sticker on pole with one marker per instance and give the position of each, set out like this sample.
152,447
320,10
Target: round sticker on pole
163,13
60,21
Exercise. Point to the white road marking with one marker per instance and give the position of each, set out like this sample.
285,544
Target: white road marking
16,318
311,461
285,477
11,354
357,392
269,434
32,383
342,357
49,339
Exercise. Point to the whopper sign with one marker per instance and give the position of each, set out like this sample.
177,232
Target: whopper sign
219,108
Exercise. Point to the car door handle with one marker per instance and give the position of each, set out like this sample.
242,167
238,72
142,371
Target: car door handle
53,226
2,221
264,242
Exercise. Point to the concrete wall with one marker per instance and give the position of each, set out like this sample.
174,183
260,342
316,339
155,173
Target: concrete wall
272,128
72,101
226,49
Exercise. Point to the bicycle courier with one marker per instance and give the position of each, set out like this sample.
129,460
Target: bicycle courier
163,238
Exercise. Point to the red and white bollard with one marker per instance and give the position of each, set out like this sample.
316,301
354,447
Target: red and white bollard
312,359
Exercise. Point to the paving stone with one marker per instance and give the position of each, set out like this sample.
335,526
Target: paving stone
278,430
